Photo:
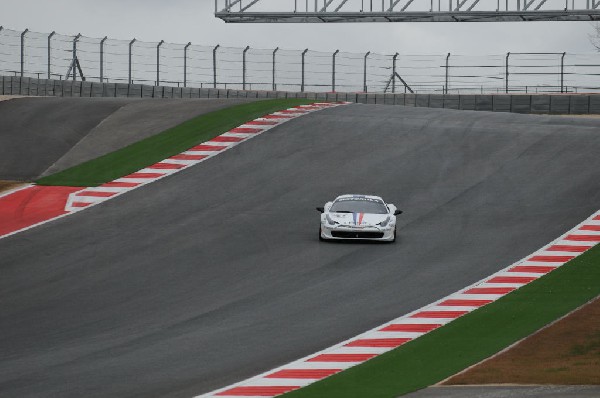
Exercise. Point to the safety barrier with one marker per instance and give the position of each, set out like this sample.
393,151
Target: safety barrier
575,104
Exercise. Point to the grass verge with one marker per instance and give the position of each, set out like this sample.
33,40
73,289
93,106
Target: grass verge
175,140
469,339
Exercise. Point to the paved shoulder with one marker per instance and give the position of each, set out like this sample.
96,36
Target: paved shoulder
40,136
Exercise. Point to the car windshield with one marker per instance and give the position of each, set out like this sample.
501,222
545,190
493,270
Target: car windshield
362,205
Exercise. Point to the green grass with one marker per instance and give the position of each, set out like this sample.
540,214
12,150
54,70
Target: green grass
163,145
469,339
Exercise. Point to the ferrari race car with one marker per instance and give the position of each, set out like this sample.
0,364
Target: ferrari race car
358,217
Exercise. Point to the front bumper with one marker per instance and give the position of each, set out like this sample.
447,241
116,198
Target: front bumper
354,233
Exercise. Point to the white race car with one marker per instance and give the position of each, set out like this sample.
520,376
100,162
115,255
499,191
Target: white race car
358,217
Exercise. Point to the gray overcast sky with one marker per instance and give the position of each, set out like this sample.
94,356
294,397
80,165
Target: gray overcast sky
180,21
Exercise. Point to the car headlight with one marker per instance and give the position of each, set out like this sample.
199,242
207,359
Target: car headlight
385,222
330,220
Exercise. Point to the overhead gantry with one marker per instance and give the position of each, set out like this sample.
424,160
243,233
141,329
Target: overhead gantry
302,11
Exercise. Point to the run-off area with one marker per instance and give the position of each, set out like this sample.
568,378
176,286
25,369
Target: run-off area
216,274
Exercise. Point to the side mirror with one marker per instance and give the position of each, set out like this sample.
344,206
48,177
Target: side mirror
321,209
397,212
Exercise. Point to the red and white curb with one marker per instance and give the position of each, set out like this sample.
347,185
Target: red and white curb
30,206
393,334
197,154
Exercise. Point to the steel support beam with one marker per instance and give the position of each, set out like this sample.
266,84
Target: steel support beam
23,51
562,72
50,36
365,88
506,73
244,67
447,73
185,57
130,60
333,70
158,62
102,58
303,63
394,72
215,65
274,64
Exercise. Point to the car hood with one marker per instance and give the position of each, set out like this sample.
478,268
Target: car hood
358,219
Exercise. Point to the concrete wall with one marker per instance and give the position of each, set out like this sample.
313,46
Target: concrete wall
576,104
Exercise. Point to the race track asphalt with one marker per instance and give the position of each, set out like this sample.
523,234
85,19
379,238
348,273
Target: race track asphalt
43,135
216,274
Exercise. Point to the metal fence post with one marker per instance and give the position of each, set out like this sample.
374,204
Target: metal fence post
303,56
244,67
394,73
102,58
274,85
562,72
50,54
130,49
365,72
158,62
185,50
215,65
333,71
75,60
506,73
23,51
447,62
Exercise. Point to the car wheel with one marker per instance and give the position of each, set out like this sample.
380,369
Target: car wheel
394,238
320,237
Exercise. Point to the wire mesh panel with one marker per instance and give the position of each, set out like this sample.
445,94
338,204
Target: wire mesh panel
288,76
10,50
116,61
59,56
582,72
317,71
259,69
199,66
379,72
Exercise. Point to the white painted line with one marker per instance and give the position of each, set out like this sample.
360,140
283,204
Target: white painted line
409,320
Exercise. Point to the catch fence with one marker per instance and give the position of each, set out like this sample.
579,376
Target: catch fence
61,57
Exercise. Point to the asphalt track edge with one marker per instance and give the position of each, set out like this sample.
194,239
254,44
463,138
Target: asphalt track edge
71,198
260,385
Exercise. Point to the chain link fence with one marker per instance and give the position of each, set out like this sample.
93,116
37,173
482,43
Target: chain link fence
61,57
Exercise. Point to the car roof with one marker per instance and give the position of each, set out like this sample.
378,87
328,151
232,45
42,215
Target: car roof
357,196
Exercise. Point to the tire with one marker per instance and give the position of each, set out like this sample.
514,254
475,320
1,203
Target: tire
320,237
394,240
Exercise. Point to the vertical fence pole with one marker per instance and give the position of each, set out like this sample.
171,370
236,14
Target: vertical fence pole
215,65
244,67
23,51
303,56
447,67
130,81
102,58
365,71
50,54
75,60
274,85
506,73
333,71
394,73
158,62
185,50
562,72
